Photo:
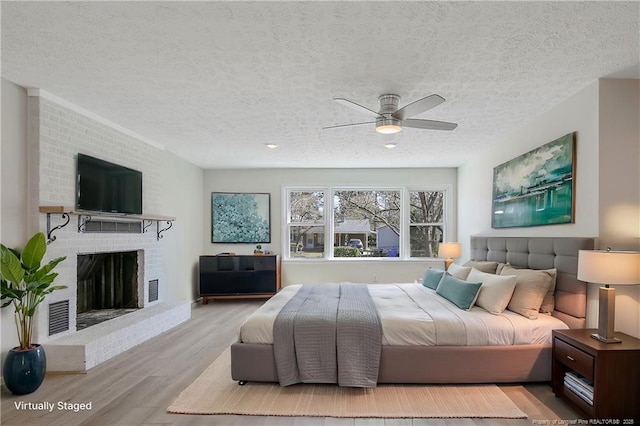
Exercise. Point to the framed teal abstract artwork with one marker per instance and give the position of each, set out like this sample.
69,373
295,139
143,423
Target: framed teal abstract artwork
537,188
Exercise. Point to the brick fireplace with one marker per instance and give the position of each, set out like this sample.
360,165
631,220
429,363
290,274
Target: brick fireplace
56,135
123,266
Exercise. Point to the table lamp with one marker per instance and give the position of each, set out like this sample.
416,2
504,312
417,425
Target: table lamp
608,267
449,251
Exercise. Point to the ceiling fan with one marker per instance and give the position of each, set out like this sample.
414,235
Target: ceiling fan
390,119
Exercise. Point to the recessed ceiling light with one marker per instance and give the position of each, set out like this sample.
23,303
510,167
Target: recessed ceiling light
390,145
271,145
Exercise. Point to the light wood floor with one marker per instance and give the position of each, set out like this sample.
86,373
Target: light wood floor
137,386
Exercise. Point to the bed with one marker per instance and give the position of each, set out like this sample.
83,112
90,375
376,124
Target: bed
407,361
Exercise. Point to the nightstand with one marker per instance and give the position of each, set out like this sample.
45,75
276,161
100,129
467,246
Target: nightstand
609,373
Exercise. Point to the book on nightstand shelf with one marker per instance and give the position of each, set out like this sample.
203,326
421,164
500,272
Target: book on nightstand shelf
580,386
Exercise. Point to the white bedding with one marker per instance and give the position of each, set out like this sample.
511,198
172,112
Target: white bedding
412,314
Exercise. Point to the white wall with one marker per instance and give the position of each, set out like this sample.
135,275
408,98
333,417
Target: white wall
475,178
605,115
368,271
297,271
619,186
13,179
619,158
181,245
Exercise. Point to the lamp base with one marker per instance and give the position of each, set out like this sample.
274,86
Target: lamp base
447,263
606,315
604,339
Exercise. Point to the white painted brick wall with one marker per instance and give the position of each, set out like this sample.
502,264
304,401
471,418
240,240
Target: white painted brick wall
94,345
57,134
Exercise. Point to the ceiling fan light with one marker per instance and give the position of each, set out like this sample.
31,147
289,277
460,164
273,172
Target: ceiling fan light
388,129
388,126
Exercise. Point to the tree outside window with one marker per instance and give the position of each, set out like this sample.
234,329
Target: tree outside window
370,223
366,223
306,224
426,222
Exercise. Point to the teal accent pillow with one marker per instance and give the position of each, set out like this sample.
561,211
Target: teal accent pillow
432,278
461,293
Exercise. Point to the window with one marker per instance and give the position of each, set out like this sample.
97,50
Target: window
426,222
364,222
305,223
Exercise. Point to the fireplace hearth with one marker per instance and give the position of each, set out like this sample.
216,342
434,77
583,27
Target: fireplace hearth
89,318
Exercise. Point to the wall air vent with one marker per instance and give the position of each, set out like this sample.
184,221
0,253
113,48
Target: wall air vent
112,226
58,317
153,290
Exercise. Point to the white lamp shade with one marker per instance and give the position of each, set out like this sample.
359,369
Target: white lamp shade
609,267
449,250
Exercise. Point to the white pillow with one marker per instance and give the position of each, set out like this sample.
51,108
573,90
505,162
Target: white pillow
460,272
531,287
496,290
548,303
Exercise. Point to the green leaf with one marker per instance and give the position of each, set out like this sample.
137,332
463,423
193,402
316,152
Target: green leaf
48,267
10,266
11,293
35,286
48,279
34,252
54,288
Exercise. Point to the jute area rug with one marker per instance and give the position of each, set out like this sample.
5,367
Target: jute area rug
213,392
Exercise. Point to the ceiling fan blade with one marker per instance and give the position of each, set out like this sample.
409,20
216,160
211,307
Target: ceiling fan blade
347,125
418,107
429,124
357,107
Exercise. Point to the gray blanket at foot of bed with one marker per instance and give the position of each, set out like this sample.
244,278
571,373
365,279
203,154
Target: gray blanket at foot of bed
328,333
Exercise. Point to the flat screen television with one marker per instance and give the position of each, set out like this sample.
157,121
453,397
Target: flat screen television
102,186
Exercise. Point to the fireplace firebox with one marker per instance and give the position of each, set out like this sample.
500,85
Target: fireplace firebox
108,286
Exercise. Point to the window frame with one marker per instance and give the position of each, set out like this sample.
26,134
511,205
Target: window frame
447,215
287,224
328,223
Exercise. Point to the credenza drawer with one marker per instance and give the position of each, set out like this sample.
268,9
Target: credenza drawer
574,358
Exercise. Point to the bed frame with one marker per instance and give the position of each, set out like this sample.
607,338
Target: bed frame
467,364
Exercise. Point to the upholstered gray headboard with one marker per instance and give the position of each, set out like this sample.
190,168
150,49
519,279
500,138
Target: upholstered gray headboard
544,253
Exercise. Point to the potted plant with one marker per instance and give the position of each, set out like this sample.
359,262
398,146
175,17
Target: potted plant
258,250
25,283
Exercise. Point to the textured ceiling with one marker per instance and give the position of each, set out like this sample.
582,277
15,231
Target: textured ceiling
213,82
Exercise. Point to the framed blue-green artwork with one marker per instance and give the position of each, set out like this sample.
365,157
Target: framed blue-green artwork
240,217
537,188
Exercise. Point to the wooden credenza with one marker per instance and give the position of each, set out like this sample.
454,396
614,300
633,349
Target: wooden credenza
239,276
